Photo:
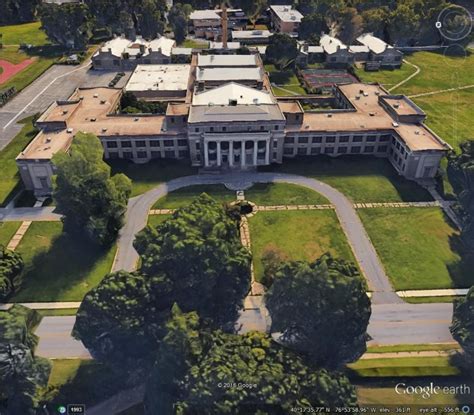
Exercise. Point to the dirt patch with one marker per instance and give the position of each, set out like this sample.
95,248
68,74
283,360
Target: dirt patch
8,69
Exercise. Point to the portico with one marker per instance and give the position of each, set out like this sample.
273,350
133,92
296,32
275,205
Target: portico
236,150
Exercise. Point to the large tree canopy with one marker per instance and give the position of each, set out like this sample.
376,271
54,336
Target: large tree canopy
321,309
18,11
22,374
462,327
178,19
93,202
11,265
203,371
282,50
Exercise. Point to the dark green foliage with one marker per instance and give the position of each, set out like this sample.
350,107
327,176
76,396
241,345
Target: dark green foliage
21,372
311,28
93,202
131,105
282,50
178,20
68,24
18,11
200,252
462,327
11,265
461,175
201,371
321,309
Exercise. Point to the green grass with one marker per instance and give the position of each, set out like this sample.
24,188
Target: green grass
9,176
154,220
266,194
430,300
361,179
284,79
190,43
58,312
7,230
386,77
417,247
12,54
404,367
58,266
184,197
413,348
28,33
147,176
301,235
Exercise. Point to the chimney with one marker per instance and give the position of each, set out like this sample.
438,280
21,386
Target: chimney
224,26
142,49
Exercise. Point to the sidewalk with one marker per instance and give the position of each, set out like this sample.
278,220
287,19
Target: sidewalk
45,306
433,293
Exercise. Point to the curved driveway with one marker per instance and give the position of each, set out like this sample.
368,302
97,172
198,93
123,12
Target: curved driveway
364,252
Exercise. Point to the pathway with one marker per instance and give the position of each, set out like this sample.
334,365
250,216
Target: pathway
441,91
29,214
418,70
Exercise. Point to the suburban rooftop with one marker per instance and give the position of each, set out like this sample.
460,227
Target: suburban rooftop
287,13
159,78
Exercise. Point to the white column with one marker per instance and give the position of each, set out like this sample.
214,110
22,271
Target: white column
242,154
206,155
231,153
267,153
219,153
255,151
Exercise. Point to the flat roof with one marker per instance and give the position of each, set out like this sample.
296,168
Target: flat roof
46,144
251,34
220,45
226,60
359,49
232,91
239,113
287,13
159,78
229,74
401,105
290,107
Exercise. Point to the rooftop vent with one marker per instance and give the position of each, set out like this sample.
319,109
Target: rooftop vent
417,132
96,95
377,93
136,119
361,91
357,97
395,124
104,130
232,102
103,101
366,94
48,139
396,105
372,114
93,119
69,130
329,115
65,112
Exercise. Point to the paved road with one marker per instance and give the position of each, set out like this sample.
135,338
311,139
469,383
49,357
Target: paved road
392,321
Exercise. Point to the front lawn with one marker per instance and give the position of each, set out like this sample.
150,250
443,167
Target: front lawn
286,81
417,246
267,194
184,197
147,176
27,33
362,179
194,44
155,220
386,77
7,230
9,176
301,235
58,266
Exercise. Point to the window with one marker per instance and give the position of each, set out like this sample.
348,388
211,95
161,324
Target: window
140,143
212,129
113,155
224,128
357,139
385,137
112,144
182,142
126,144
196,130
355,150
371,138
276,127
344,139
302,151
342,150
169,154
172,120
156,154
329,150
154,143
317,140
141,154
330,139
127,155
262,128
369,149
183,153
275,144
288,151
382,149
303,140
169,143
289,140
198,145
315,150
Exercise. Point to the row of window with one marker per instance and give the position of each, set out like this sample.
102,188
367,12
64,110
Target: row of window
337,150
224,129
340,139
149,154
143,143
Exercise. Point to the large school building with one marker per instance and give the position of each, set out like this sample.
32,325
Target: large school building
228,119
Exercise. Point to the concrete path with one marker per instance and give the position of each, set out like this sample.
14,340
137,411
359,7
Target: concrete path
441,91
401,355
47,213
433,293
57,305
20,233
418,70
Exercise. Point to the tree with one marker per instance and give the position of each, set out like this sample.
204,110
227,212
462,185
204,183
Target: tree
67,24
312,26
375,20
351,26
404,24
178,19
150,20
282,50
22,374
18,11
11,265
321,309
200,253
93,202
272,258
195,365
462,327
251,8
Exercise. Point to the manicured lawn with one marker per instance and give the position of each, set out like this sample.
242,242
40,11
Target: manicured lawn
58,312
183,197
149,175
450,115
154,220
413,348
284,79
12,54
28,33
7,230
58,266
406,367
301,235
386,77
362,179
425,300
417,247
190,43
266,194
9,176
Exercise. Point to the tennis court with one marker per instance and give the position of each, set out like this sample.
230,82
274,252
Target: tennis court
326,78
